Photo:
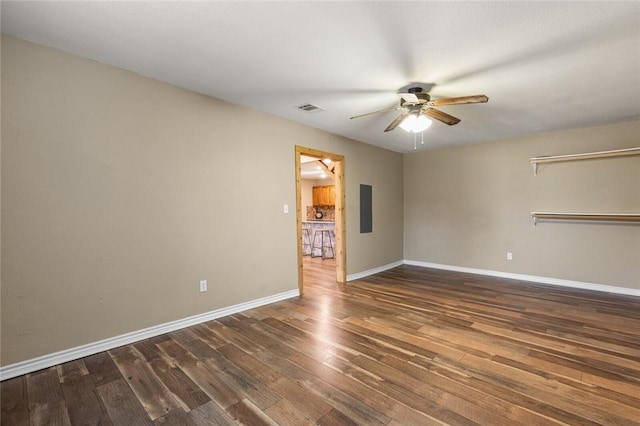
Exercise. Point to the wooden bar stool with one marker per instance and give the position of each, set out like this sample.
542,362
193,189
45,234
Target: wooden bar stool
306,242
326,243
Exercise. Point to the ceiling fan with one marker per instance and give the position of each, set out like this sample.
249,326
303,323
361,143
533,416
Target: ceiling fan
416,105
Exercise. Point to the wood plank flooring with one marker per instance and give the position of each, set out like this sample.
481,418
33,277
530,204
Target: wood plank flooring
409,346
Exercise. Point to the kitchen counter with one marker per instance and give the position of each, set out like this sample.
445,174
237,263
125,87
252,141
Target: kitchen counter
319,225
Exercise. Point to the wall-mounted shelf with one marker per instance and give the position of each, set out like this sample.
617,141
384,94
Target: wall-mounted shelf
599,217
586,156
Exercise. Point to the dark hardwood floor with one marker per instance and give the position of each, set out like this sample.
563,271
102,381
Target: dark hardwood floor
408,346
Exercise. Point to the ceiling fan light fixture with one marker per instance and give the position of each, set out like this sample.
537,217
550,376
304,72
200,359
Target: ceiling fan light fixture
415,123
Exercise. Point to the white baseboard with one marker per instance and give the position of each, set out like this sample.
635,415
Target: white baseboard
368,272
45,361
533,278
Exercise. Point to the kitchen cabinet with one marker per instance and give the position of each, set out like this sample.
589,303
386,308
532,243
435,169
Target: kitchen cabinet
324,195
317,196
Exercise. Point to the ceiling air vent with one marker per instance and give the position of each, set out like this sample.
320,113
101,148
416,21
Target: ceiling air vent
309,108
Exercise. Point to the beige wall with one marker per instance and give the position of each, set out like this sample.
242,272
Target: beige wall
120,193
470,205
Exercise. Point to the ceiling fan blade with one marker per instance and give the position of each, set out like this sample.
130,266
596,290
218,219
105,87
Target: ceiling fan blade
396,122
442,116
376,112
476,99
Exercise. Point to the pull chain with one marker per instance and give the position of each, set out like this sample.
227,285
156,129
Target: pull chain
415,137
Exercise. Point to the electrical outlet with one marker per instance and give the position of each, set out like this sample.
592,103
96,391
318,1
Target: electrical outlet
509,256
203,286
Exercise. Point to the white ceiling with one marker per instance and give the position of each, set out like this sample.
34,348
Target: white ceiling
545,66
310,169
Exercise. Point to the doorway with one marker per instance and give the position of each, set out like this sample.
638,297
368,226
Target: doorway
337,170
